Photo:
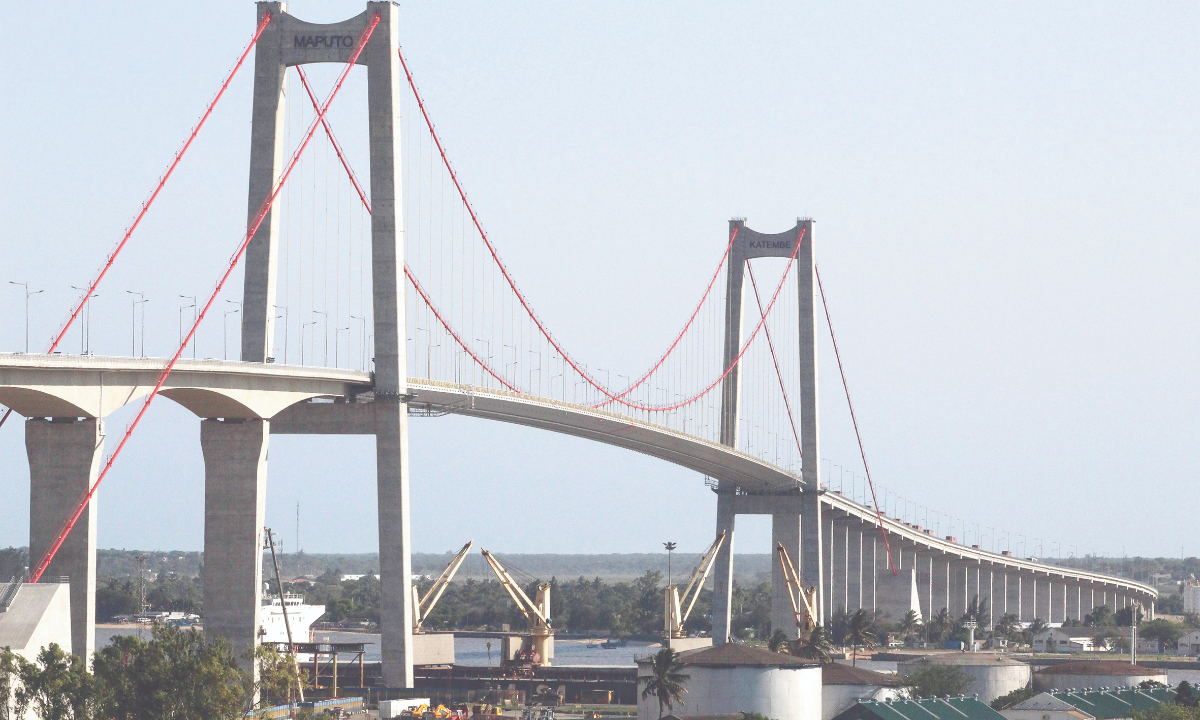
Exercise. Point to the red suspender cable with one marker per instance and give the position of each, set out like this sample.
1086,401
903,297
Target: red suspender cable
233,262
150,201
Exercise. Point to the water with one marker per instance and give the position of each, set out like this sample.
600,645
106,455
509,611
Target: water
467,651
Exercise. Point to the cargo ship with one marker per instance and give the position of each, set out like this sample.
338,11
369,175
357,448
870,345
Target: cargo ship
301,617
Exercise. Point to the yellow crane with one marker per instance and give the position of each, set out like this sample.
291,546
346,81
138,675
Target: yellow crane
422,606
679,608
804,600
537,647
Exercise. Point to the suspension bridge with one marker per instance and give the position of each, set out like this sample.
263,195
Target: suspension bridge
365,302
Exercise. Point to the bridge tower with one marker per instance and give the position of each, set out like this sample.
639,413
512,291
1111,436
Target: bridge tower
235,451
796,521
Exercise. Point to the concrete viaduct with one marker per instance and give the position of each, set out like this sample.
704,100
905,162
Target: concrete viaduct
241,404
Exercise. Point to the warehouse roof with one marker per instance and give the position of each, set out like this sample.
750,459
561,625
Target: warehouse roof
1112,704
1100,667
955,708
839,674
739,655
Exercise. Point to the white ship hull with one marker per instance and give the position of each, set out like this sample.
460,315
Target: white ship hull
300,616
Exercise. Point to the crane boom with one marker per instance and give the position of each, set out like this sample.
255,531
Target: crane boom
806,618
423,606
676,615
527,607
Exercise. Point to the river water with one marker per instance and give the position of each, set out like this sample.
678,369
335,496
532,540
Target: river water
475,651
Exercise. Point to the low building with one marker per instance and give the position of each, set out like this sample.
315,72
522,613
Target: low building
1189,644
1065,640
845,685
1090,704
733,678
1095,674
959,708
1045,706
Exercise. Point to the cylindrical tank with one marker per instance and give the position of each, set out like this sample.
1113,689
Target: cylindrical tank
992,675
732,678
1095,674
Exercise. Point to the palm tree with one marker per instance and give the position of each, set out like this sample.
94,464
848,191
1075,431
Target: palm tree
858,632
666,681
778,640
1008,624
909,624
1037,626
938,625
814,647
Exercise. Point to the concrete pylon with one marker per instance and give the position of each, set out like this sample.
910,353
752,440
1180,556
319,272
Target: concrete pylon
64,459
289,41
812,571
235,498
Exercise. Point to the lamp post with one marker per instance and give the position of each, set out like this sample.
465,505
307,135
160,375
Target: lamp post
225,327
85,330
181,309
670,546
133,335
285,329
27,294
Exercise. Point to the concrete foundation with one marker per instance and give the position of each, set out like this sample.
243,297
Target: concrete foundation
682,644
235,493
64,459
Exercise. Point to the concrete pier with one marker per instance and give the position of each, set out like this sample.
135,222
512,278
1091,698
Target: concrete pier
235,495
64,460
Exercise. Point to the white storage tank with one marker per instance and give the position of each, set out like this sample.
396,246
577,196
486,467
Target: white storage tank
992,675
1095,674
733,678
845,685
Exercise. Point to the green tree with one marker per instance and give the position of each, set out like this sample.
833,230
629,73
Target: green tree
1185,695
816,646
910,624
8,674
1168,711
778,641
1100,616
1019,695
1165,631
174,675
1036,626
858,632
938,626
56,687
666,680
1191,620
936,681
1008,624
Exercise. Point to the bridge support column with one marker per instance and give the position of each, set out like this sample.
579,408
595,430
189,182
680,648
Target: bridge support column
854,560
828,592
785,531
1044,603
941,585
235,493
64,458
1028,596
723,571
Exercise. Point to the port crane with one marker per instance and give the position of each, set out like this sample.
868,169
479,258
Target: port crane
537,647
804,600
679,608
423,606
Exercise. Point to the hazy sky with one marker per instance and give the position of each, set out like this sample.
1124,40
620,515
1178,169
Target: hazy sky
1005,205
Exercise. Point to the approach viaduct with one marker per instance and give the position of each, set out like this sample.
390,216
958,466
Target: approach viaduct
71,393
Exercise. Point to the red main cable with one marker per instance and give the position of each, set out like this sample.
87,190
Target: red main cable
778,372
158,188
233,262
878,515
337,148
504,270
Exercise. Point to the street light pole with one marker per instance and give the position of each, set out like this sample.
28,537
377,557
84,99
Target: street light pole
27,294
133,323
285,329
85,330
181,309
670,546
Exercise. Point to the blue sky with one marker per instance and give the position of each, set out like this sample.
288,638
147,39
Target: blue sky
1005,198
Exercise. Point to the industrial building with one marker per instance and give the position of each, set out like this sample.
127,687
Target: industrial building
732,678
992,675
1089,704
844,685
959,708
